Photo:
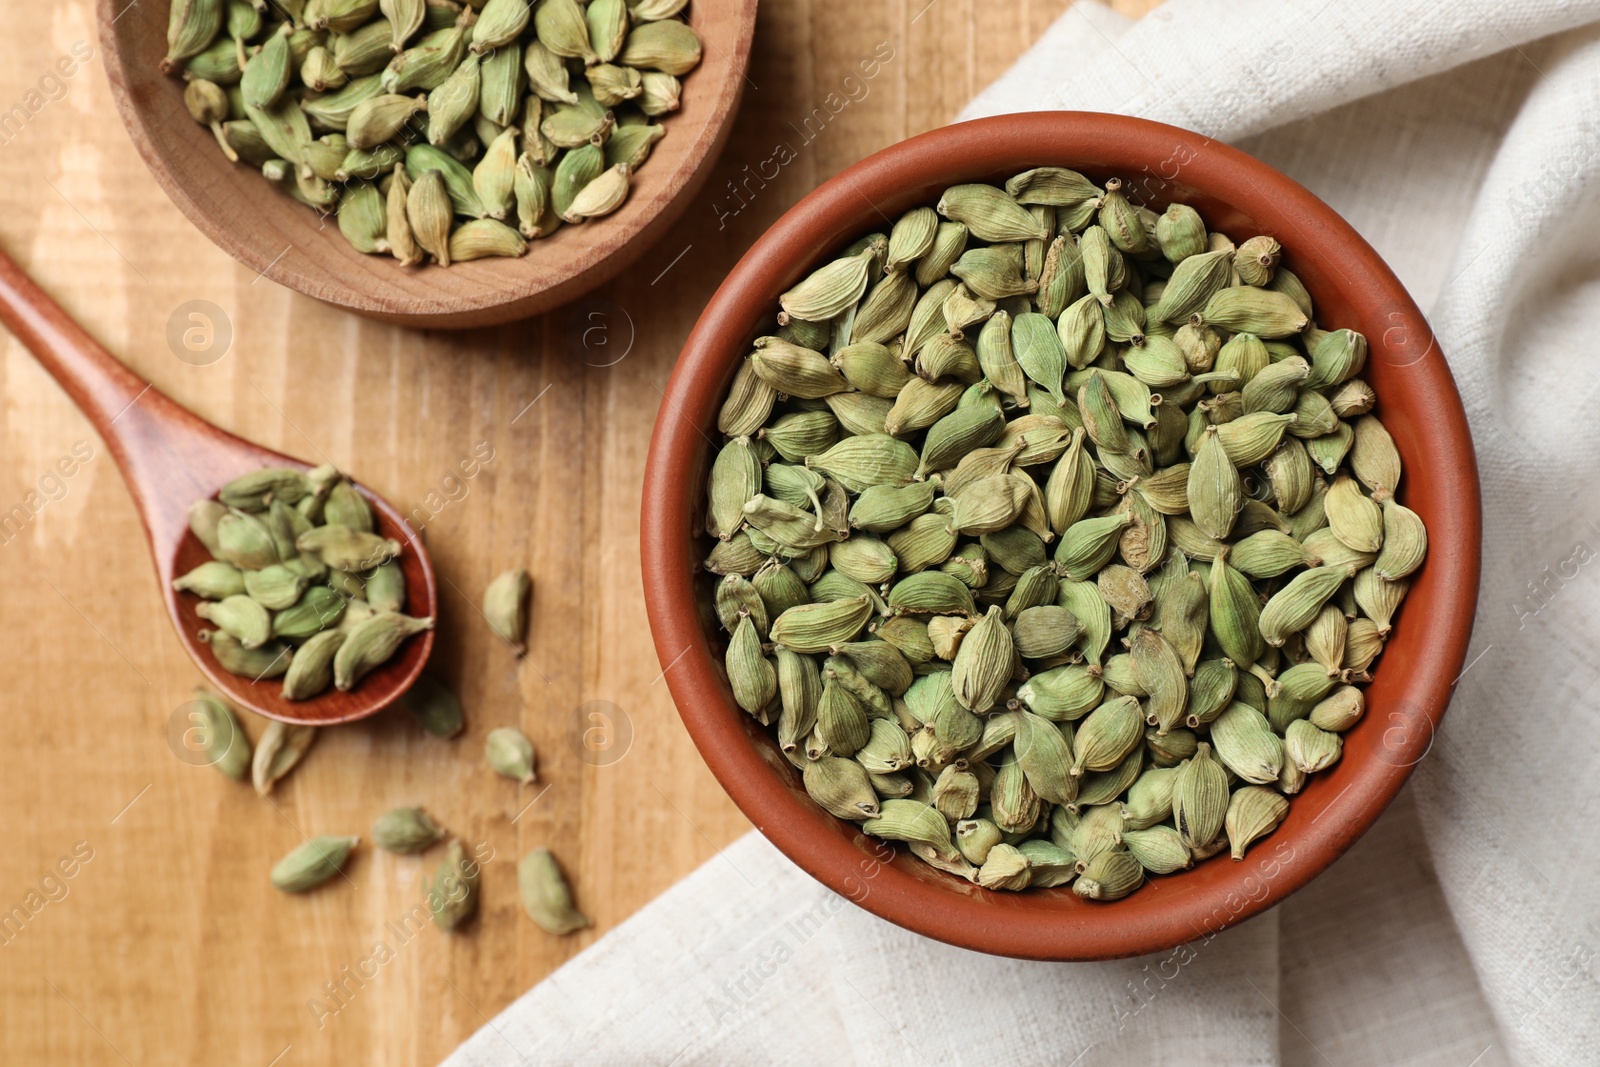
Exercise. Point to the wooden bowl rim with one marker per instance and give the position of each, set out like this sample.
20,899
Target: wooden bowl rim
1414,678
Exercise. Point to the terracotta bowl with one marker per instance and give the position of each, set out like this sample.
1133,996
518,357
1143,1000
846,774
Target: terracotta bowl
285,241
1352,288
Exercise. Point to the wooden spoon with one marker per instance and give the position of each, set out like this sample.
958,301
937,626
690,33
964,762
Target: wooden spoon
171,458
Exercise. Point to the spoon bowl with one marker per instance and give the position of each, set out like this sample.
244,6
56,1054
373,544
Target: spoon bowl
375,691
170,458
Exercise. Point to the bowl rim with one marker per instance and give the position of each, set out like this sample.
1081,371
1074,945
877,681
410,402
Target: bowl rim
1437,619
622,240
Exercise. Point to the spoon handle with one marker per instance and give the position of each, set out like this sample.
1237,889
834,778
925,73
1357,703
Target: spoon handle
97,382
168,456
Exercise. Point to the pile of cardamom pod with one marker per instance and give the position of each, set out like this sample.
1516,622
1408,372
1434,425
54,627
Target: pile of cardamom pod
1055,535
299,586
434,128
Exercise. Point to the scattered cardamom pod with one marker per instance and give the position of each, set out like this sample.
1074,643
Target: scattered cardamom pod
280,748
453,893
505,606
221,739
405,830
545,894
434,706
510,754
312,863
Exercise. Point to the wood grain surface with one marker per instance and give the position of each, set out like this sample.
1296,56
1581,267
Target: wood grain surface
137,925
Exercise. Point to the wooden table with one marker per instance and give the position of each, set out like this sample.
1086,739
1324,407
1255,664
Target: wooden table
166,944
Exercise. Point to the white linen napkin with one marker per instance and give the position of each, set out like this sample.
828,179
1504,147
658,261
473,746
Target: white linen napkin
1463,140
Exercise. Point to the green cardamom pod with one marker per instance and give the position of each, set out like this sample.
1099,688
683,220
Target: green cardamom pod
1121,220
888,748
1245,309
1405,539
911,238
750,673
484,239
405,830
1180,233
370,644
1159,849
1038,350
1157,362
995,272
1353,398
212,579
510,754
311,670
1200,799
1244,742
861,462
266,74
949,242
1149,799
1195,280
280,748
1354,518
1111,875
666,45
546,897
268,661
1380,598
495,174
434,706
1292,608
990,214
346,549
985,663
1082,330
1256,260
505,607
841,787
241,617
1216,492
453,893
1053,186
191,27
1104,270
813,628
1044,754
217,735
429,215
1338,356
312,863
1107,735
1005,868
829,290
377,120
1253,813
1312,749
1373,456
1064,693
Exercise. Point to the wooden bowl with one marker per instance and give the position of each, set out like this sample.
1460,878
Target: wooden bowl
1352,288
273,235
